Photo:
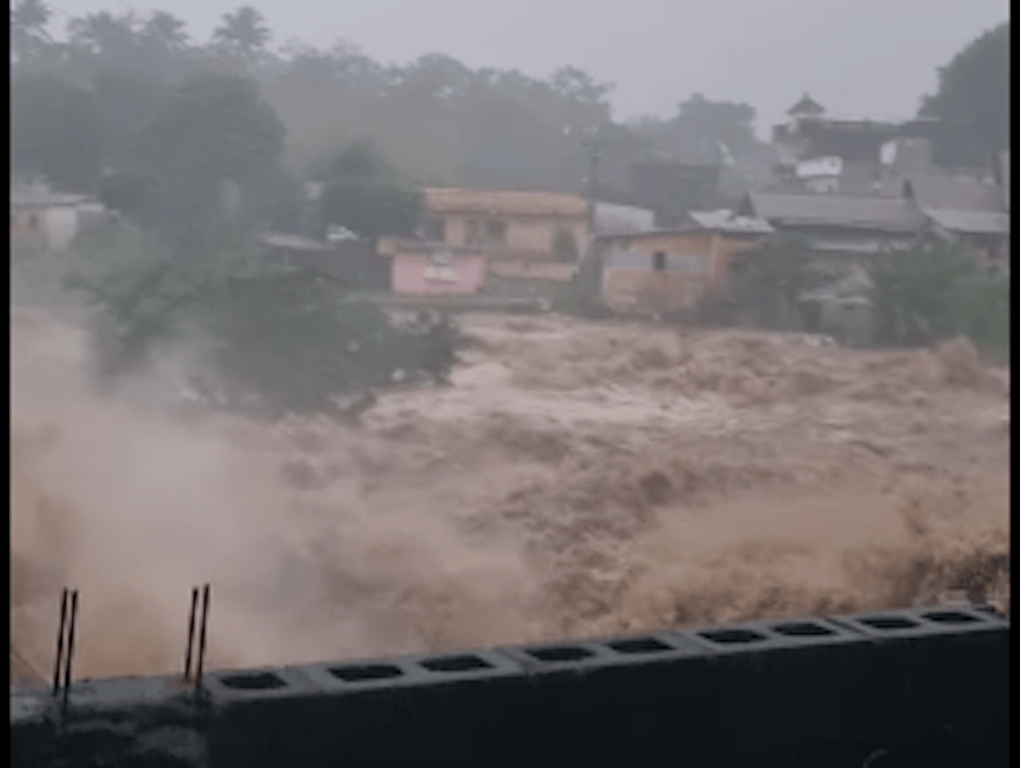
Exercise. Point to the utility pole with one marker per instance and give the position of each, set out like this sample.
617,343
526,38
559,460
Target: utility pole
593,183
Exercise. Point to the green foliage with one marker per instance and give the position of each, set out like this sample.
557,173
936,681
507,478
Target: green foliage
364,193
54,130
973,100
269,341
769,279
214,128
937,292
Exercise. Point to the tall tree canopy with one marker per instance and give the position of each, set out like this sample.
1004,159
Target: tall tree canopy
438,120
973,100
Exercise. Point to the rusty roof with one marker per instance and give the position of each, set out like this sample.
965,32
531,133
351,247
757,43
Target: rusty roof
458,200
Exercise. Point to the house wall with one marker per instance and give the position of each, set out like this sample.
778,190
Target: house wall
61,226
41,227
640,287
420,275
529,236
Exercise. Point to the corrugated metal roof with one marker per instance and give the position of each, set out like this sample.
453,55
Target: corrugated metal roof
875,213
457,200
970,222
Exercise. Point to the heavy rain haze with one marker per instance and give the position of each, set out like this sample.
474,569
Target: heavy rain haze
326,305
763,53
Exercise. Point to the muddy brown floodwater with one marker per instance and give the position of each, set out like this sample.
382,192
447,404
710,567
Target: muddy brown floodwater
576,480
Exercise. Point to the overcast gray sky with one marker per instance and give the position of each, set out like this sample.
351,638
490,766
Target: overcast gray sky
866,58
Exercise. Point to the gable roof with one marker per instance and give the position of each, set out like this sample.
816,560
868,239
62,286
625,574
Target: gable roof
806,106
867,213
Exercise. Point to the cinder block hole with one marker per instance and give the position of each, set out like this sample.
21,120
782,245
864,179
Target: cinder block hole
260,681
733,636
366,672
456,664
888,622
802,629
950,617
560,653
639,645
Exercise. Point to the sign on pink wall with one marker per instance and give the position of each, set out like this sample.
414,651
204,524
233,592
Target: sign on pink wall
424,275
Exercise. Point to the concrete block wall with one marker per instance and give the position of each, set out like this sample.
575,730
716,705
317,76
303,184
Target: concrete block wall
913,687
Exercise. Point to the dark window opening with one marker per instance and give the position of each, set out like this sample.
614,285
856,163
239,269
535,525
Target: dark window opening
434,229
495,231
659,262
472,232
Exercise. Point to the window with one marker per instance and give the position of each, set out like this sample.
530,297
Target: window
659,262
434,228
33,221
495,231
472,232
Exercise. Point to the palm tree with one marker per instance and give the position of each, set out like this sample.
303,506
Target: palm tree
103,33
166,30
244,31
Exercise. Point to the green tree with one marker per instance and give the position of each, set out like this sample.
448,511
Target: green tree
215,128
364,193
935,292
266,341
165,30
769,279
54,131
973,100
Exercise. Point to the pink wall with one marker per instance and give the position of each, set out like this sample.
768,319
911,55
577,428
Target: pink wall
410,275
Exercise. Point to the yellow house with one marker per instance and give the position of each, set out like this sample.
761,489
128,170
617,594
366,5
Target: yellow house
665,271
509,226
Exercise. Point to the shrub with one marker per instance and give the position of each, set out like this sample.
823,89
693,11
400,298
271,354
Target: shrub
262,340
935,292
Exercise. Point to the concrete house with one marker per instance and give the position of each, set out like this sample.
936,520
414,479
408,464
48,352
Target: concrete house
671,270
508,226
